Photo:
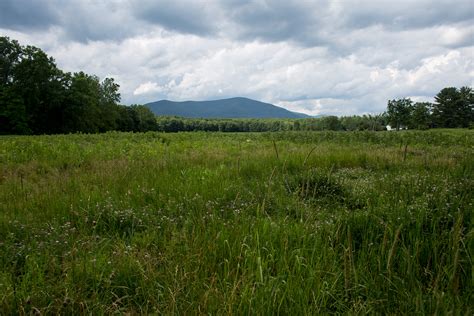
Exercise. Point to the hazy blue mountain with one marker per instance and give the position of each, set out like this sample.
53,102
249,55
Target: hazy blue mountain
225,108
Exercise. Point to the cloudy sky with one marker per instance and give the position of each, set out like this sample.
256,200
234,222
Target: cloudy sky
337,57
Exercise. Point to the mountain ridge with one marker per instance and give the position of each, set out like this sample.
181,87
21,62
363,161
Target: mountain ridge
237,107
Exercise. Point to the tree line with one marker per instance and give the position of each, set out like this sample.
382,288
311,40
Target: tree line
36,97
348,123
453,108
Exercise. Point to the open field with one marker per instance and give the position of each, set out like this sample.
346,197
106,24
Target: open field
287,222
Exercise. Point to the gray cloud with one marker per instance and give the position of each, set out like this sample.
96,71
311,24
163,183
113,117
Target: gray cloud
405,14
313,23
26,15
188,16
96,20
77,20
280,20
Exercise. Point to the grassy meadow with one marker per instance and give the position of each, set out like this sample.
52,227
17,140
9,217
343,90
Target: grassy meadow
237,223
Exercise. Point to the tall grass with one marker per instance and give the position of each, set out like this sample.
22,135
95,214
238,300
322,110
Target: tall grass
288,222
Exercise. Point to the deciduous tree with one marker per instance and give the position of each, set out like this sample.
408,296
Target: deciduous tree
398,112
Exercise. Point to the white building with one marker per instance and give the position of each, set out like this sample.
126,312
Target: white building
390,128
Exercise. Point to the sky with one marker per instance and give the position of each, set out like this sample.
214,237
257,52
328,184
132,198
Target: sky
331,57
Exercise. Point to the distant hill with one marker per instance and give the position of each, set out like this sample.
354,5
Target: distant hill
225,108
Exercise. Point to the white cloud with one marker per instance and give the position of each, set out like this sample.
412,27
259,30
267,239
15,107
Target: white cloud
343,58
147,88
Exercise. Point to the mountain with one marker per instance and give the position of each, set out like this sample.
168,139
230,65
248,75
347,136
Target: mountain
225,108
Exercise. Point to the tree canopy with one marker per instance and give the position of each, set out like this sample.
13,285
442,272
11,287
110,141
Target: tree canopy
453,108
36,97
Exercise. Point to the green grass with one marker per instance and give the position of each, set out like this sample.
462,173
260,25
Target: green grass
198,223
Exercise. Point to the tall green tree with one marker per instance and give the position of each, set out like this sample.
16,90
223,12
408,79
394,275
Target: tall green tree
454,107
444,108
109,97
398,112
330,123
37,97
92,106
40,84
13,118
466,106
12,113
82,112
146,120
420,116
10,55
127,119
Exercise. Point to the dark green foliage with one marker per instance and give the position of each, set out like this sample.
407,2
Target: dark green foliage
145,119
420,116
398,112
82,112
316,185
333,123
454,107
36,97
38,82
10,54
321,187
13,119
13,116
364,122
